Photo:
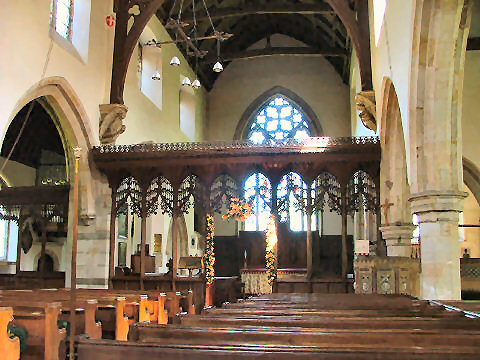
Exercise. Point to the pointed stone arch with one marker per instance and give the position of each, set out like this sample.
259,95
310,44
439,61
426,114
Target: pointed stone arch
440,32
73,124
252,109
471,177
393,168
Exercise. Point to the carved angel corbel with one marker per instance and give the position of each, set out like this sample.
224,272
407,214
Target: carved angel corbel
365,101
111,122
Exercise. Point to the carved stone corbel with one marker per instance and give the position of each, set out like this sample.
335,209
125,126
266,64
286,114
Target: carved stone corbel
365,101
111,122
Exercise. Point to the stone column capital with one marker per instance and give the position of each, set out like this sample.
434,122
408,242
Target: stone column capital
437,201
398,239
403,231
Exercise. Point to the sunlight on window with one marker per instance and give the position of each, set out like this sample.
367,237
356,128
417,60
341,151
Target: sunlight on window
278,119
379,7
61,17
258,192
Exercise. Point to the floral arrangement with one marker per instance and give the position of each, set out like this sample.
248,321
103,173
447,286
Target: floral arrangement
209,256
239,210
270,256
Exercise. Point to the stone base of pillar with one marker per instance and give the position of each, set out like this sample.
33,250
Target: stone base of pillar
386,275
398,239
439,243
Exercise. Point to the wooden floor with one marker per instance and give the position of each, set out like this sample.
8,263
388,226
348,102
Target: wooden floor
303,326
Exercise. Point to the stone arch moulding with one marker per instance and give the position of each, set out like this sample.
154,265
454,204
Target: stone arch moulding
56,262
436,86
267,95
75,129
182,234
471,177
393,170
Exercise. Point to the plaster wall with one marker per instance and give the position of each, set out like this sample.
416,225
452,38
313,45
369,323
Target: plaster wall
471,216
358,129
29,47
17,174
312,78
391,48
471,107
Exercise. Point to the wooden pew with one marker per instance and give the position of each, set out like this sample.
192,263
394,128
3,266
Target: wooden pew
118,350
10,348
304,337
44,336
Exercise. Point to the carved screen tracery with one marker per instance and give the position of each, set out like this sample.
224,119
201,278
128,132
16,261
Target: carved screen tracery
186,193
223,189
258,192
361,193
128,195
326,191
292,201
165,193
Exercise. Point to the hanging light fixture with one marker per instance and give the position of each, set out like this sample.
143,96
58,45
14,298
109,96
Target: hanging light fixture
218,67
190,40
196,84
156,75
186,81
175,61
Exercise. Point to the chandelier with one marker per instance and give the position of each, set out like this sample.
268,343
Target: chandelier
190,40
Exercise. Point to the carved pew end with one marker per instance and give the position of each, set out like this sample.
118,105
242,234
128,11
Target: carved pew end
121,323
10,348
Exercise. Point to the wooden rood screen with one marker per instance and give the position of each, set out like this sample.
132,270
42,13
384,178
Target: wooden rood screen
153,177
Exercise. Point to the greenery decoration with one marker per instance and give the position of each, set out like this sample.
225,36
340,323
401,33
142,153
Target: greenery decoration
209,256
270,256
239,210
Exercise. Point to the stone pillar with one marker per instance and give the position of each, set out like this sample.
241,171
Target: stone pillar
398,239
438,213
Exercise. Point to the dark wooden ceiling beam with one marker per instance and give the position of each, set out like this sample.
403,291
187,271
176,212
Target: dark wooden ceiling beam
273,51
356,23
126,40
302,9
473,43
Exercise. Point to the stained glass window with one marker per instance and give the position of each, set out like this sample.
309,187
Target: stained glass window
278,119
292,201
258,192
61,17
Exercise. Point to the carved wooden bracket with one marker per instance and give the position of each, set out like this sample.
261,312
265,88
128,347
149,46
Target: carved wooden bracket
356,23
126,39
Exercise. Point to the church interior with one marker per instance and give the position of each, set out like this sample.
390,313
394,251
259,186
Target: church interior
243,178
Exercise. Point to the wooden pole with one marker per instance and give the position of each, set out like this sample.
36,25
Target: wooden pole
44,245
174,250
344,233
73,278
275,215
43,251
309,235
19,248
143,236
111,255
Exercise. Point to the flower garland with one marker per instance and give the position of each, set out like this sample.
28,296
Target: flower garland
209,256
239,210
270,256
